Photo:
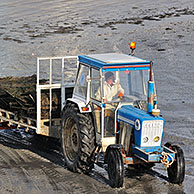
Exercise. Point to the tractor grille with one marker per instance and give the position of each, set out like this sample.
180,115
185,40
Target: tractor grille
152,133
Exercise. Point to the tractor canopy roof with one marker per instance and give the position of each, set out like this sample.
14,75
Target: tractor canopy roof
114,62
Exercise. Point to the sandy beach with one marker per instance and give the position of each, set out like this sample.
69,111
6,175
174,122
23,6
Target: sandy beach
164,33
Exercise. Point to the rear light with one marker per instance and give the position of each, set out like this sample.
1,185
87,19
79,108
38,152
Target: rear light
85,109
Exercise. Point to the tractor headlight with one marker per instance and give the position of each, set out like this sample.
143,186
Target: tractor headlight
156,139
137,124
145,139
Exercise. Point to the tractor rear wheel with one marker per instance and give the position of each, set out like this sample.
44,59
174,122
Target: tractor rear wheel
176,172
77,139
115,168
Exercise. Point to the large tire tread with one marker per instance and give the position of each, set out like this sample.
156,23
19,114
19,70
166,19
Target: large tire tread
86,136
115,168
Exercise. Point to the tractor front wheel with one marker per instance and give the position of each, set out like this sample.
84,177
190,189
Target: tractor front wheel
176,172
115,168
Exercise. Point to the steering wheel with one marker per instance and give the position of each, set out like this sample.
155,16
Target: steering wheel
141,104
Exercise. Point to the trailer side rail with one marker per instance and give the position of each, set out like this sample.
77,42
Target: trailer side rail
13,118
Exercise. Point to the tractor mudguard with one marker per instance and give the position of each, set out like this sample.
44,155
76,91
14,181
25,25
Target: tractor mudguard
81,105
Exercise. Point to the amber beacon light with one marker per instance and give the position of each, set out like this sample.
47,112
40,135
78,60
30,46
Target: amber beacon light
132,47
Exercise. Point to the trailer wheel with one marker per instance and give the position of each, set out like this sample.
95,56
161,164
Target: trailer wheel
115,168
77,139
176,172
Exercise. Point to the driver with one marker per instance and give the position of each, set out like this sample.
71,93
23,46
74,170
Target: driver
111,88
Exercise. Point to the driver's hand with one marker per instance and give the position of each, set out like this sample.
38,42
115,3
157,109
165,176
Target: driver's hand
120,95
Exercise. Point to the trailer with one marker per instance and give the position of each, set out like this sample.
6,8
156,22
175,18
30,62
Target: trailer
110,108
50,98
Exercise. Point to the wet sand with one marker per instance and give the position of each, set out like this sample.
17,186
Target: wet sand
164,33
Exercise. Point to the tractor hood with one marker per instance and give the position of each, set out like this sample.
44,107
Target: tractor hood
130,114
148,130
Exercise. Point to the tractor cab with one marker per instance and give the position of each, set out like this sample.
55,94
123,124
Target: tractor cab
107,82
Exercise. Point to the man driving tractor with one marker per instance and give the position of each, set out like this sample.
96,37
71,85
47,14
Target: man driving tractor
111,88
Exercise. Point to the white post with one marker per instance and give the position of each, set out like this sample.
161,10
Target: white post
50,94
102,122
38,93
62,84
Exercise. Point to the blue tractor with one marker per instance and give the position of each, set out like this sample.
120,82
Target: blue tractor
113,110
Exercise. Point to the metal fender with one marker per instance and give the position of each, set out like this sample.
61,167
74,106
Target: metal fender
80,105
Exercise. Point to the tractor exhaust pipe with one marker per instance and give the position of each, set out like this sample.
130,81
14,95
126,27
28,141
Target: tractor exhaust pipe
150,91
152,98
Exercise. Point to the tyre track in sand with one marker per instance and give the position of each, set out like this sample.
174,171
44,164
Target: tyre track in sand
37,170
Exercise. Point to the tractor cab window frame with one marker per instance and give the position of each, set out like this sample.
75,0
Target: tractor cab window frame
96,89
95,96
81,85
